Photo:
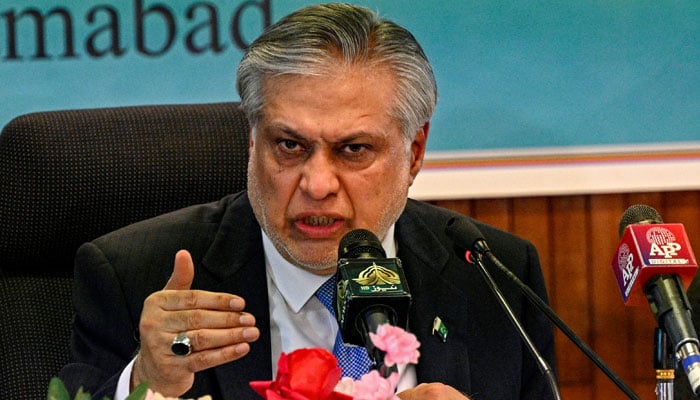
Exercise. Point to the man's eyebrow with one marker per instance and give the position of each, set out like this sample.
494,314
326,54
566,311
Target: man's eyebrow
359,135
286,130
349,137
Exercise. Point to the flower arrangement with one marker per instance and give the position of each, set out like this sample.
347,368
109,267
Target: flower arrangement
313,374
307,374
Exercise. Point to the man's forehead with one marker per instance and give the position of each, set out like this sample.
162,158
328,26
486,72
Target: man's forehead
331,71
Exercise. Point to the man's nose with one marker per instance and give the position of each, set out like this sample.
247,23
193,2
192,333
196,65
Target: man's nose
319,176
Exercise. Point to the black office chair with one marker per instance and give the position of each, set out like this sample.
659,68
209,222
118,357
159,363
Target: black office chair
69,176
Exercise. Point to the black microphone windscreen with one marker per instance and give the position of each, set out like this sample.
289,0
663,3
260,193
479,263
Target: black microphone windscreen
639,214
369,285
360,243
463,233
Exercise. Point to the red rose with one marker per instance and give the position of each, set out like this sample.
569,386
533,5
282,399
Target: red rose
304,374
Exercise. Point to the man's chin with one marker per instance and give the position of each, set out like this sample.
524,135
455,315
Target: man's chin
320,266
319,270
314,257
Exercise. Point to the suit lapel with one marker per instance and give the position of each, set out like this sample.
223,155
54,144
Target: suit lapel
434,294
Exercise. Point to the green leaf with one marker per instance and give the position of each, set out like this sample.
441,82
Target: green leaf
139,393
82,395
57,390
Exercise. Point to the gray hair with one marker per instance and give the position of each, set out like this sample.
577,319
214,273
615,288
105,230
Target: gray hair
312,39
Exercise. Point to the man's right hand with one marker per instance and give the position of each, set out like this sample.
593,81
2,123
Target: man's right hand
432,391
218,329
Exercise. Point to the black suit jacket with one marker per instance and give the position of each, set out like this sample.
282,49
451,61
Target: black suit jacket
482,356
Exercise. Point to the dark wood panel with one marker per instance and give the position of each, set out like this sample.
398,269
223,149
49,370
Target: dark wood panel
571,281
611,319
496,212
530,220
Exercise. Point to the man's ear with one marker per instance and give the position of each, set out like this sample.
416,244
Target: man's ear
251,138
418,150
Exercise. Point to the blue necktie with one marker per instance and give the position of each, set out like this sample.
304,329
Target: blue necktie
353,360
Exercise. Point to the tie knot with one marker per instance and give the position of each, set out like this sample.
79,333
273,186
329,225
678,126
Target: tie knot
326,294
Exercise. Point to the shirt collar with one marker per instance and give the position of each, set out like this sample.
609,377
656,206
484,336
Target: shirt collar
286,276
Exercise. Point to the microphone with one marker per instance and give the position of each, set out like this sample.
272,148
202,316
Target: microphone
372,291
467,238
654,261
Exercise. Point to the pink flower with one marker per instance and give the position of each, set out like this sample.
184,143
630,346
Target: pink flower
373,387
345,386
400,346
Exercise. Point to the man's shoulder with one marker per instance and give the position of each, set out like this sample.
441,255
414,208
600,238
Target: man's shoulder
426,216
194,218
141,255
424,210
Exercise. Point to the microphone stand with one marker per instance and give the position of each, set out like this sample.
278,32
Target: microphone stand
663,364
541,362
542,306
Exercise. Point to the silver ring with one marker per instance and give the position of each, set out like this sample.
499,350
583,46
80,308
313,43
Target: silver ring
181,345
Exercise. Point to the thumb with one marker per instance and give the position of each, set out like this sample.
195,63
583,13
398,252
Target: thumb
183,272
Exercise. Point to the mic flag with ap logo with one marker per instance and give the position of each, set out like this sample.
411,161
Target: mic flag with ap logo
648,250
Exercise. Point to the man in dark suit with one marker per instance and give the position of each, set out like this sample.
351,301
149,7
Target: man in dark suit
339,104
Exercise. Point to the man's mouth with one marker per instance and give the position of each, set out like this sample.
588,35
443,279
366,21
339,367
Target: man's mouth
319,220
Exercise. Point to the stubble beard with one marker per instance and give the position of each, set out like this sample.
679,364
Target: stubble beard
300,258
256,196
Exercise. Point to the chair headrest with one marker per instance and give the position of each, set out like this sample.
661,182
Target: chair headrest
67,177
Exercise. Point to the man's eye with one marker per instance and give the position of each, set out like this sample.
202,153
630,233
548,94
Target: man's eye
354,148
289,145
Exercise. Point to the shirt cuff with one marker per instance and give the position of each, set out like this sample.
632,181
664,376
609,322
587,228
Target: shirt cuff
124,383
